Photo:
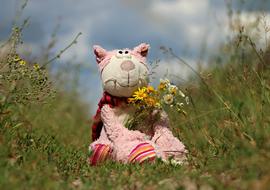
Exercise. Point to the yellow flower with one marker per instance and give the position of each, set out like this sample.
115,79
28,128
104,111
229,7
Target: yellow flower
163,84
157,105
140,94
16,58
150,101
168,98
150,89
36,67
131,100
22,62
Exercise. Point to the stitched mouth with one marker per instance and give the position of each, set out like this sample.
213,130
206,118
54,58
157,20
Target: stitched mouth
139,82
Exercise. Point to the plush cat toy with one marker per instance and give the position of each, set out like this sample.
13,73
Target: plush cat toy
123,72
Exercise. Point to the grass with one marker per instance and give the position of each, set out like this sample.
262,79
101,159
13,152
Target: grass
43,143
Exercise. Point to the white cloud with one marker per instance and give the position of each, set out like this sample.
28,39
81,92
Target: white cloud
180,8
193,20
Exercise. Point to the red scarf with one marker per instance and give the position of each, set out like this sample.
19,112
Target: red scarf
110,100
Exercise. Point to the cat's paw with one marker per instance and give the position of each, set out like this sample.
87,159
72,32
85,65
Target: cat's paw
143,152
99,153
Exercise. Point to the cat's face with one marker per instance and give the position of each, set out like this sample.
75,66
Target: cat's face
123,71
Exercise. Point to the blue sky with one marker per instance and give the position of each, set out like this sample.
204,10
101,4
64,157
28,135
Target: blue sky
183,25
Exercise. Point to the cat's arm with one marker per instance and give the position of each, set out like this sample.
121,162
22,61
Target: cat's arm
115,129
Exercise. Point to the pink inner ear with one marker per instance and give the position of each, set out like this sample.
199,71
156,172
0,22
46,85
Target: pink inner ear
106,59
99,52
142,49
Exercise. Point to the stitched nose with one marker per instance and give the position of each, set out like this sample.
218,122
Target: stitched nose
127,65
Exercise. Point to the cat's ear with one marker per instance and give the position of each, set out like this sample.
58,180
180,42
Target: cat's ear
99,52
142,49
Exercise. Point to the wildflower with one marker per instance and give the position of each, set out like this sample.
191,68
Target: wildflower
181,93
187,100
144,88
16,58
22,62
163,84
150,89
180,104
168,98
173,89
131,100
140,94
182,111
36,67
165,81
157,105
150,101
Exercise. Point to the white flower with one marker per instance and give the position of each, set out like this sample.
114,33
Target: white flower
187,100
176,162
165,81
181,93
168,99
180,104
173,89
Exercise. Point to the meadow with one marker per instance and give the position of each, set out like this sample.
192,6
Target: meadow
45,129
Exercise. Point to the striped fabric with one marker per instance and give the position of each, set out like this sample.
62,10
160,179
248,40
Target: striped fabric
100,154
141,153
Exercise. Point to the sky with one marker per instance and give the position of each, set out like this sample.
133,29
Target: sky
183,25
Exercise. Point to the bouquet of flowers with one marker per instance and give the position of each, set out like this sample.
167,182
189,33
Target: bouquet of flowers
147,99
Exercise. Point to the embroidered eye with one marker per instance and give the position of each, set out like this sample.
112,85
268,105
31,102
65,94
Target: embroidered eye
120,52
126,52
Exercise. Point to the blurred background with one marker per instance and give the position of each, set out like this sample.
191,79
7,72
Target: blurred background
194,29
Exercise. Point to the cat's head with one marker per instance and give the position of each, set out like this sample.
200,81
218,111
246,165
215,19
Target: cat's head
123,70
